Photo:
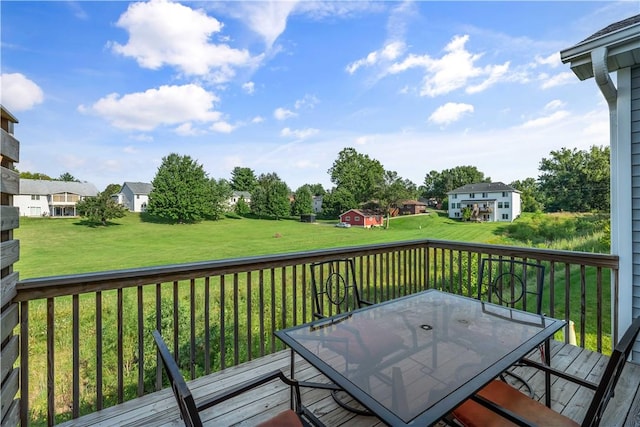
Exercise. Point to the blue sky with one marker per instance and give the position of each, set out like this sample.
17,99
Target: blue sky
105,90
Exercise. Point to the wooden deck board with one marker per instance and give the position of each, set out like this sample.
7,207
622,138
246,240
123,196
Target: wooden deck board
159,409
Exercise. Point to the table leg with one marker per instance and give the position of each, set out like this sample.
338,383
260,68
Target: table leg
547,374
293,370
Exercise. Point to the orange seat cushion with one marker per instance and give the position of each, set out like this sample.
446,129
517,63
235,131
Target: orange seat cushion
471,413
286,418
364,343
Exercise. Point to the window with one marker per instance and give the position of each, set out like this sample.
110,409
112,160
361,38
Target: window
347,218
485,195
457,215
499,205
137,196
505,216
35,197
472,195
454,196
505,194
506,205
356,218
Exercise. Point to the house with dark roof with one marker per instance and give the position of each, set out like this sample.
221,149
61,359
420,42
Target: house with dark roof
616,49
134,196
51,198
488,201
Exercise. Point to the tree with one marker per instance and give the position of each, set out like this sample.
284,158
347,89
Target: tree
35,175
181,191
271,197
242,208
337,201
243,179
576,181
303,202
101,208
356,174
530,195
220,193
67,177
315,189
391,191
438,184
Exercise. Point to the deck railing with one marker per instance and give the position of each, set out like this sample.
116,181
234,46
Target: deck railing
86,338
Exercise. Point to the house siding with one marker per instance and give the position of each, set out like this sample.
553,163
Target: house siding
635,193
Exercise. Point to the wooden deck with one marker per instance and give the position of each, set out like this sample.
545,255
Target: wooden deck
159,409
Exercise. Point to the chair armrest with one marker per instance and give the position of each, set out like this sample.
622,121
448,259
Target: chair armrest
560,374
505,413
246,386
365,302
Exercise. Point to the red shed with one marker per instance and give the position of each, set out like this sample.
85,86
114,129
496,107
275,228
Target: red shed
362,218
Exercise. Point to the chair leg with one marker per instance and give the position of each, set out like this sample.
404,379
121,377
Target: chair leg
339,400
520,379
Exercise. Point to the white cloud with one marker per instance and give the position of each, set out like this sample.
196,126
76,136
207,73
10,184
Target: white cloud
390,52
555,104
167,105
187,129
222,127
257,119
283,114
309,101
450,112
545,121
166,33
18,93
558,80
362,140
249,87
299,133
453,70
552,60
130,150
267,18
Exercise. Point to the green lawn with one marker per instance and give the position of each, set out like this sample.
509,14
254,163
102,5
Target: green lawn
52,246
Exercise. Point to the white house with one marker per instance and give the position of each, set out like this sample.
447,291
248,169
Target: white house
51,198
134,196
616,49
317,204
488,201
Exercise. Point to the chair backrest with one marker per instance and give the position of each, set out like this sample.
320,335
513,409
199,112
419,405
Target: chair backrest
513,283
612,372
186,403
334,287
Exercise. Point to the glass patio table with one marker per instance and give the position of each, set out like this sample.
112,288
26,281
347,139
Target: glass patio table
440,349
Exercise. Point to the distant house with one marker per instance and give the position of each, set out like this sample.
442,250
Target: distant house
493,201
412,207
51,198
237,195
362,218
317,204
134,196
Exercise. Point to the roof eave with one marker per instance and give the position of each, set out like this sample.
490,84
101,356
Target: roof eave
623,51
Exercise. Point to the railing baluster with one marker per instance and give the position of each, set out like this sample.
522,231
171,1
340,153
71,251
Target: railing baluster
249,329
120,349
99,395
222,331
159,328
599,309
51,380
192,316
583,303
176,321
75,413
261,303
24,363
236,327
207,325
141,337
567,294
273,310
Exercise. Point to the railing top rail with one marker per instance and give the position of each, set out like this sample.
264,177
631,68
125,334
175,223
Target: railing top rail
64,285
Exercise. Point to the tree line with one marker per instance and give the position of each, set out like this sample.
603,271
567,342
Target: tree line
569,180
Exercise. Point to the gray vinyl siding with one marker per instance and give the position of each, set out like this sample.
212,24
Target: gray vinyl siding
635,193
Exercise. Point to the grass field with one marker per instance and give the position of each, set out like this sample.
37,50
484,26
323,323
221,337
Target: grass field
52,246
